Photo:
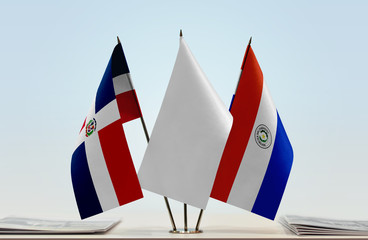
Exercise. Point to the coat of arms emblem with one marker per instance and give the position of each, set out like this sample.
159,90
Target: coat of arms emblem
91,127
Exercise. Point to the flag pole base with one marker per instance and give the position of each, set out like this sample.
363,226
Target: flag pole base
182,231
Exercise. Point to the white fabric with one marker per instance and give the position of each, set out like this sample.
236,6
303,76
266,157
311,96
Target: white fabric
188,138
255,159
122,83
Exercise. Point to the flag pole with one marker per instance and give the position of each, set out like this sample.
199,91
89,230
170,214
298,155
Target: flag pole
242,67
241,71
148,138
199,220
185,205
185,218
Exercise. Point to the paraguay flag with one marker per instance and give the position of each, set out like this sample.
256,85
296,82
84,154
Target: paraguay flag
258,156
102,169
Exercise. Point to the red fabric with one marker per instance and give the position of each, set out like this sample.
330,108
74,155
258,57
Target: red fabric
244,111
128,106
84,124
119,163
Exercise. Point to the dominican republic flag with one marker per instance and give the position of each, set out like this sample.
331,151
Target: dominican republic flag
102,169
258,156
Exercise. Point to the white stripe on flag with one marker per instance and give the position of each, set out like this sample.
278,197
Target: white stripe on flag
255,159
99,173
122,83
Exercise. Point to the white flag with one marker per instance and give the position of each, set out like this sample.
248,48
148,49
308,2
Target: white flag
188,138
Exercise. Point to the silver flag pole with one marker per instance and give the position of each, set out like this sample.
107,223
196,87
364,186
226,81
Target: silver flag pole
199,220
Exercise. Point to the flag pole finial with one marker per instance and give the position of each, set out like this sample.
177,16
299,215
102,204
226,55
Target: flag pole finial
181,33
242,67
118,39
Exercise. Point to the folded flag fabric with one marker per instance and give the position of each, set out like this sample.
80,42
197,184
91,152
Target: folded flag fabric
188,138
258,156
102,170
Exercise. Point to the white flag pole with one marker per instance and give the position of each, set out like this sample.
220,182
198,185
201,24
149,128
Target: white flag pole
148,138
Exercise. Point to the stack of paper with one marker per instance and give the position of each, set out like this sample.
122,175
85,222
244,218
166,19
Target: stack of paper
322,226
39,226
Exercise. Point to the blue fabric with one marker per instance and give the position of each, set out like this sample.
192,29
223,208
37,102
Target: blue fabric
277,174
105,93
119,64
232,100
84,190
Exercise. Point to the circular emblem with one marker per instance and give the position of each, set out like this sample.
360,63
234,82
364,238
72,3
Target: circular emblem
263,136
91,127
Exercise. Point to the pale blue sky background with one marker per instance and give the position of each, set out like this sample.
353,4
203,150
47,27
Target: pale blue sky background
313,55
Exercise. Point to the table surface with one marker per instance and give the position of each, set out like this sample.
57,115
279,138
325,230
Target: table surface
216,226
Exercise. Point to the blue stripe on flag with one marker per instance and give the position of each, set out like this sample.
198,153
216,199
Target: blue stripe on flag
119,64
277,174
232,100
105,93
84,190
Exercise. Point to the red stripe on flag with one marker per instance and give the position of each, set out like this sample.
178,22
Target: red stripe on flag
244,111
119,163
84,124
128,106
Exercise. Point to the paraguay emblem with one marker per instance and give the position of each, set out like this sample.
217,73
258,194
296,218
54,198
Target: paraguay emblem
263,136
91,127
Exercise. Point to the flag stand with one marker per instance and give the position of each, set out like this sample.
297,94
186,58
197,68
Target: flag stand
147,138
186,230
